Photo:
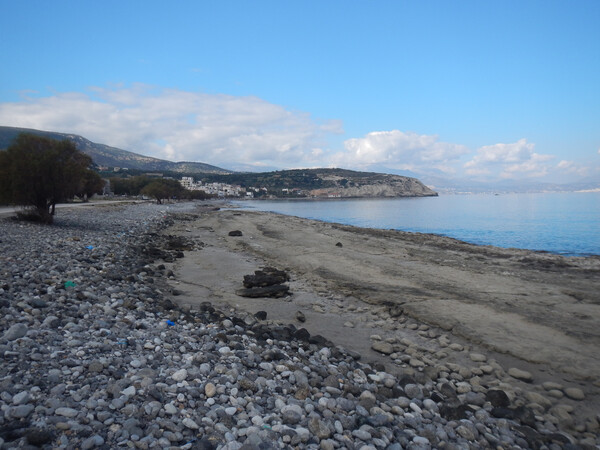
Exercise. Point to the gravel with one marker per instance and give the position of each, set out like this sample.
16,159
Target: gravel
95,355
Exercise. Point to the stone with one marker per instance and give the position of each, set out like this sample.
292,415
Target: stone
261,315
574,393
551,385
235,233
171,409
210,390
21,398
130,391
420,440
414,362
51,322
38,436
96,367
92,442
477,357
66,412
497,398
291,414
383,347
367,400
189,423
300,317
180,375
519,374
535,397
465,433
16,331
21,411
361,434
413,391
319,428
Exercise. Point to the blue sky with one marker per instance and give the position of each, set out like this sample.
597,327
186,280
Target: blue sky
466,89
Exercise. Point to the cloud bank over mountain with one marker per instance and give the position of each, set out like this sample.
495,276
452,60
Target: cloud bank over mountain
178,125
250,132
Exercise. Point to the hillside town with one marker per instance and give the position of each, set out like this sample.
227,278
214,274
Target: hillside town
220,189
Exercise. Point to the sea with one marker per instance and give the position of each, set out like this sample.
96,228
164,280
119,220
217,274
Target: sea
561,223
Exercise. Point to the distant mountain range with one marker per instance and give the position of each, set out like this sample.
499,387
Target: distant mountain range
104,155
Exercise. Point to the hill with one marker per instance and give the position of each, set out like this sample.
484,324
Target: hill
327,183
104,155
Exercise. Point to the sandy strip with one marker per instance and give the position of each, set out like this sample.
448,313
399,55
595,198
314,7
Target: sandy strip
534,311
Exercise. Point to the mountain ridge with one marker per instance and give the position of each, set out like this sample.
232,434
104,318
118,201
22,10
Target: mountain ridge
105,155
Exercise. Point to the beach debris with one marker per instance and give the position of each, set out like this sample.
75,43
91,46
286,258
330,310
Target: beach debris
235,233
268,282
300,317
69,284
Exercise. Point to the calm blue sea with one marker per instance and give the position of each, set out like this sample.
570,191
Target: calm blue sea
564,223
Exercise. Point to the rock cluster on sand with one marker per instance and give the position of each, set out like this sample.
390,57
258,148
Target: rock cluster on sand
267,282
94,355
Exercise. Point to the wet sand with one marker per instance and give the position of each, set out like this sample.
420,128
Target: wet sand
436,297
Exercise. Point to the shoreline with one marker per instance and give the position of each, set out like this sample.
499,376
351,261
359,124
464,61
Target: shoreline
570,252
439,321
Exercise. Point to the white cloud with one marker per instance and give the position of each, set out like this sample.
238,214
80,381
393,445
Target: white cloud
179,125
573,168
565,164
399,150
509,160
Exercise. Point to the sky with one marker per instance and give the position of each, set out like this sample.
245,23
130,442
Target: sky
469,90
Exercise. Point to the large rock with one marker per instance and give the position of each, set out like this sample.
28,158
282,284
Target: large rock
267,282
269,276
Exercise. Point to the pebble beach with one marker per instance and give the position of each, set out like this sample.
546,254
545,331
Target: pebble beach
97,352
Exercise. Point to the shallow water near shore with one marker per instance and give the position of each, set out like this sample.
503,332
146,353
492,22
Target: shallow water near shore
562,223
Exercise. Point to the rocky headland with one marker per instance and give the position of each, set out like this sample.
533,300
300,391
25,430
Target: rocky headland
110,339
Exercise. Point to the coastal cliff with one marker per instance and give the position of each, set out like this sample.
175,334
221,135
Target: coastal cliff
381,186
